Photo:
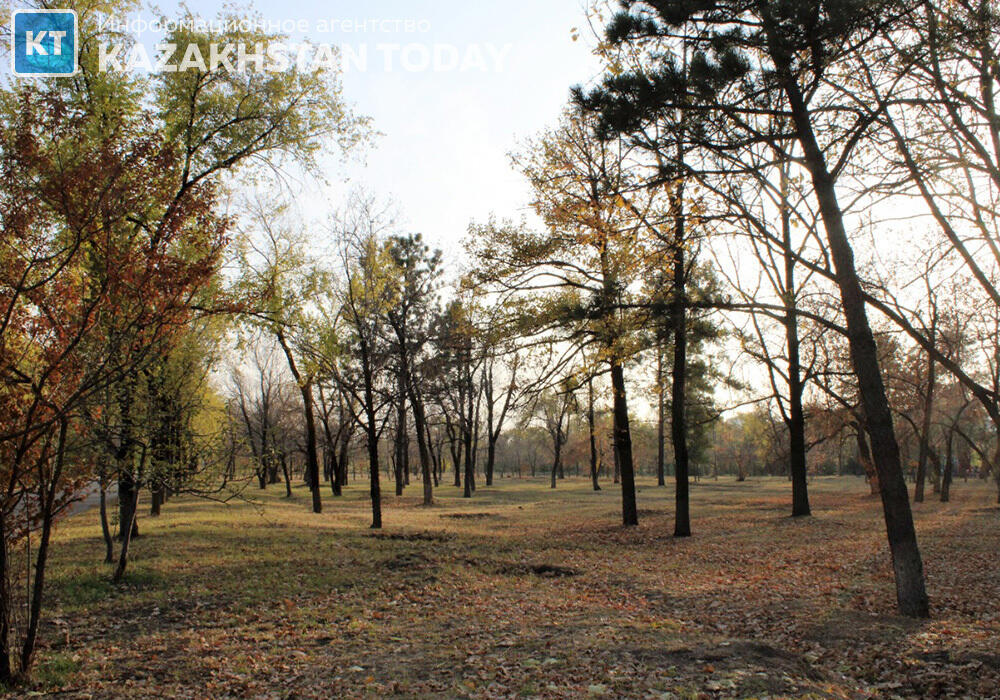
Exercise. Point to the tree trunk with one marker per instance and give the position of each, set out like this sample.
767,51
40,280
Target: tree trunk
661,438
678,387
312,458
401,434
286,473
623,445
109,542
420,425
342,460
925,428
491,456
127,540
128,496
6,668
911,594
37,587
469,464
593,438
949,461
156,499
796,416
617,476
374,488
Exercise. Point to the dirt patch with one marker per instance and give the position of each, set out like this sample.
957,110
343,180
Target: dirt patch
471,516
542,570
742,668
858,626
413,536
407,561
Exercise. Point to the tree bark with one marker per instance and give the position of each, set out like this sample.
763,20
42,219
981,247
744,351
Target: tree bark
949,461
109,542
420,425
127,540
678,388
623,445
593,438
401,434
6,668
925,427
911,594
312,459
661,438
796,416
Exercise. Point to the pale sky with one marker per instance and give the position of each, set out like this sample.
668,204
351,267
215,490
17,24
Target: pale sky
442,156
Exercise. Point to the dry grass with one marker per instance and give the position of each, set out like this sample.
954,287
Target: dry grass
524,591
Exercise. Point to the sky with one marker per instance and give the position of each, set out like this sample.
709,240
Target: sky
445,133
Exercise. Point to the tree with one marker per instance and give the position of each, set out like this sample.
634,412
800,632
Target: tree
555,407
581,267
365,297
283,282
785,49
417,271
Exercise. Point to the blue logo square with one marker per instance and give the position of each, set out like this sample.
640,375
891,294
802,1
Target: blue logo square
43,42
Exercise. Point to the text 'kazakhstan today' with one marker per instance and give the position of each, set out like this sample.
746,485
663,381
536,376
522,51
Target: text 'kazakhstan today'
279,56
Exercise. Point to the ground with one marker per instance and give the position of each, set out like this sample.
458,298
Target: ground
524,591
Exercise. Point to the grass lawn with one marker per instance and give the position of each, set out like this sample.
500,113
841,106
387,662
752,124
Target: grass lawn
523,591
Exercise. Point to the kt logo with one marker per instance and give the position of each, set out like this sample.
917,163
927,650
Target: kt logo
43,42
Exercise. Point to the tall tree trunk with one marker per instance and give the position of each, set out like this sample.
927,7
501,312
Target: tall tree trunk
266,458
46,499
312,458
6,605
911,594
345,453
556,454
420,425
109,542
399,465
469,464
678,385
925,427
491,457
128,496
996,464
374,488
287,475
127,540
102,483
865,458
661,438
623,445
948,467
156,499
616,478
591,429
796,416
